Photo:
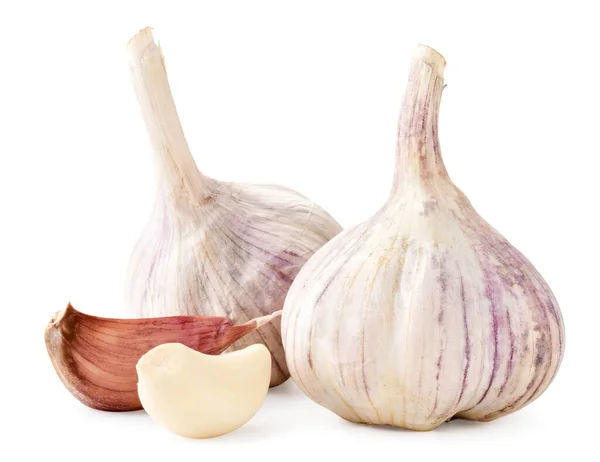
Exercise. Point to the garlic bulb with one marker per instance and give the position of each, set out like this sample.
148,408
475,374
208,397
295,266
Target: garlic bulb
424,312
214,248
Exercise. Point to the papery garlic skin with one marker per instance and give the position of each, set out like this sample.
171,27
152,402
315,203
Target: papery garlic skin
95,357
214,248
424,312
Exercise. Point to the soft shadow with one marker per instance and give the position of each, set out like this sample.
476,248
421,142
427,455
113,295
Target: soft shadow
463,425
251,431
132,415
288,388
450,426
109,415
248,432
371,427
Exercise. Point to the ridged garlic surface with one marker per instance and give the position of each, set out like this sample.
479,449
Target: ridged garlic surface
214,248
424,312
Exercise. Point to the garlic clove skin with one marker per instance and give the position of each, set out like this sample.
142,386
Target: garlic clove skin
201,396
214,248
95,357
424,312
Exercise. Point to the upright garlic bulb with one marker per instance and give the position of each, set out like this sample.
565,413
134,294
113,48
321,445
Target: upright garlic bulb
424,312
213,248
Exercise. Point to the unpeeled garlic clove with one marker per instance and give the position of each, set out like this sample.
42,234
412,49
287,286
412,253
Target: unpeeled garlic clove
424,312
213,247
201,396
96,357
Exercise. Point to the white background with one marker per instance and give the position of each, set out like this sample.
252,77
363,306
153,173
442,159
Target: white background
304,94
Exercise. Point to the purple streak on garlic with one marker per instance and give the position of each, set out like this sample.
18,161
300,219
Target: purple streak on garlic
424,312
214,248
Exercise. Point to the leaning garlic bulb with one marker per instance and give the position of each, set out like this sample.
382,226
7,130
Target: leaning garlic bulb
424,312
213,248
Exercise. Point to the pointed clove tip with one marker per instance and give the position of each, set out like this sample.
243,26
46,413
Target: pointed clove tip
431,57
52,330
56,317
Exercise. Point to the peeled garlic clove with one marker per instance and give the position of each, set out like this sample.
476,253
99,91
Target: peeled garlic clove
211,247
95,357
424,312
201,396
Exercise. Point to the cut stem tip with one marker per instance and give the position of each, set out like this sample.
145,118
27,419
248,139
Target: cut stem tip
431,57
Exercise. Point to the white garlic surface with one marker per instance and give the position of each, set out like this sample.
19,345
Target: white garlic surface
424,312
214,248
203,396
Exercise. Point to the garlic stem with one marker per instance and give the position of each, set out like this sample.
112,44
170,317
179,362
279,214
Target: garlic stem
214,247
418,151
186,186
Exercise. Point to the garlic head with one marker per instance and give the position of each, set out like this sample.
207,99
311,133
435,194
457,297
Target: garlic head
424,312
214,248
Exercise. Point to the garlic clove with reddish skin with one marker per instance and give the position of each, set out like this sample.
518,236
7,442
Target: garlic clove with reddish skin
212,247
95,358
424,312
